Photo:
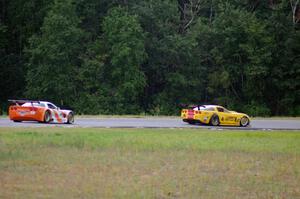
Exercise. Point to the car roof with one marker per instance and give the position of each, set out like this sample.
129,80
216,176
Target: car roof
46,102
213,106
39,102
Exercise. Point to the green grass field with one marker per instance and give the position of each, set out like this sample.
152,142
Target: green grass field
148,163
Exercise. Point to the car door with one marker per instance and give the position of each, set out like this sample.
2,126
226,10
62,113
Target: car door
56,114
226,118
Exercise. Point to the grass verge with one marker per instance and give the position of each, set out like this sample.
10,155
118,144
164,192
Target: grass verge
148,163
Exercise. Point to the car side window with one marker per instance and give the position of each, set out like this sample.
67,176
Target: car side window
42,105
220,109
51,106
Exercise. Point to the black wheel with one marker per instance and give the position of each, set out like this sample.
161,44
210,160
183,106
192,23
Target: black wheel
214,120
47,117
191,122
17,121
244,122
70,118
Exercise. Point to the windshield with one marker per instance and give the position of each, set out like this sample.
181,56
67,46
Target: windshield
52,106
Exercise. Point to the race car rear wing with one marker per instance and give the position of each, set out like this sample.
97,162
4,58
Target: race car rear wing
20,102
191,106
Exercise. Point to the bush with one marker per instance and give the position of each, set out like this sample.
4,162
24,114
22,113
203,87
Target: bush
296,111
255,109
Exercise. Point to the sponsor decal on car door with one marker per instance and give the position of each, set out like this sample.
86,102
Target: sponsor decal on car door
226,118
230,119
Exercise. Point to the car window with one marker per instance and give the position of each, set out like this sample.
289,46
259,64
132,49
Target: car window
51,106
33,104
203,108
42,105
198,108
220,109
209,109
27,104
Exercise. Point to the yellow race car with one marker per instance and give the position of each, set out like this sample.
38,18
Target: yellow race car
214,115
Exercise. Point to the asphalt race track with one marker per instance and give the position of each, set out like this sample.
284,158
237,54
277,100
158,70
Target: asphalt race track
156,122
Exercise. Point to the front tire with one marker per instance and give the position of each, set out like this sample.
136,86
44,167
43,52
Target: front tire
70,118
214,120
244,122
17,121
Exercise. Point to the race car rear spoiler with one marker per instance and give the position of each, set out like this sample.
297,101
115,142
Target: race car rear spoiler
191,106
18,102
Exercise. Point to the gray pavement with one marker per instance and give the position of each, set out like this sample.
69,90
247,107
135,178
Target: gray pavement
153,122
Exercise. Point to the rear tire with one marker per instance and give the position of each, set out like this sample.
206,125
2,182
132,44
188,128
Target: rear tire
189,121
244,122
214,120
70,118
47,117
192,122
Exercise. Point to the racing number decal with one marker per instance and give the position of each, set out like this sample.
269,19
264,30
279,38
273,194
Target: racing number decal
56,117
231,119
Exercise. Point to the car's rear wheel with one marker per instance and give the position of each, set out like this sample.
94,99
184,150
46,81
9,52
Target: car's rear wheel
70,118
214,120
244,122
47,117
191,122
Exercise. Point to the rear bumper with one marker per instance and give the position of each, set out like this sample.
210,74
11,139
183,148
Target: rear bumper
24,118
193,121
15,115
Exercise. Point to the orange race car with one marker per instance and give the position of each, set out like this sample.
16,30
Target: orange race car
41,111
214,115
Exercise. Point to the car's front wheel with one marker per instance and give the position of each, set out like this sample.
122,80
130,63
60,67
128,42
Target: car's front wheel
244,122
70,118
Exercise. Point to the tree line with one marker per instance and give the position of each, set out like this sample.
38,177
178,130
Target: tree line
134,57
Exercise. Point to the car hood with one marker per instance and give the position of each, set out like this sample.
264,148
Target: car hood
237,113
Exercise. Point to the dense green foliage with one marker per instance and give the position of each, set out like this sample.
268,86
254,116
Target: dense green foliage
147,56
